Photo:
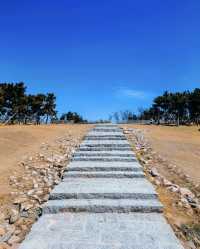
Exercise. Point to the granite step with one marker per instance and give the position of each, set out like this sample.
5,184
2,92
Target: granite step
87,148
105,138
105,159
104,174
105,166
101,231
107,126
107,133
90,188
104,154
107,130
102,206
106,143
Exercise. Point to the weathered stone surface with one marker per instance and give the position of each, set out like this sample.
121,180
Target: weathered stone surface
106,143
101,231
107,129
103,205
103,188
106,166
105,159
88,148
98,138
104,154
107,174
105,134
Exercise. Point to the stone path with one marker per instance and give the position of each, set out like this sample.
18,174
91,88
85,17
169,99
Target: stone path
103,202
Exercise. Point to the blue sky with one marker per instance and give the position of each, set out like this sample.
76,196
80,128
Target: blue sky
101,56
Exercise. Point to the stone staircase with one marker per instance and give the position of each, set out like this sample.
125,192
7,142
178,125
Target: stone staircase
103,202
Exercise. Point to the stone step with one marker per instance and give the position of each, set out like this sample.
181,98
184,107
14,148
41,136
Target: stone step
104,154
105,146
102,134
104,159
101,231
86,148
104,166
90,188
107,126
98,135
106,143
102,206
106,174
107,130
105,138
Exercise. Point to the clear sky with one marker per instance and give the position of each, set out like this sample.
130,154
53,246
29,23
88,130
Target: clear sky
101,56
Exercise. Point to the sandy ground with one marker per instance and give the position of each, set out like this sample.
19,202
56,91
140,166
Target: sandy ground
18,141
179,145
175,154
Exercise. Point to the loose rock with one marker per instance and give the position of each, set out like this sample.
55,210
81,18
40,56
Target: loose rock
154,172
14,215
186,192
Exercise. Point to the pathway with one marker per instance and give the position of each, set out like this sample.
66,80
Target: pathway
103,202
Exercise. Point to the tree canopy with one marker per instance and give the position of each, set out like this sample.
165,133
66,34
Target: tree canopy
73,117
170,108
175,108
18,107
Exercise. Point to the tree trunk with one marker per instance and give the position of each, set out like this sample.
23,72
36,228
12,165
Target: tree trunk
38,120
178,120
47,118
10,119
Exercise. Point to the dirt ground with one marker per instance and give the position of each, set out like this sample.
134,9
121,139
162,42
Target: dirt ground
179,145
175,154
16,142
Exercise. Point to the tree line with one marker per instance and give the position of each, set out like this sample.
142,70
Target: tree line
175,108
16,106
73,117
180,108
